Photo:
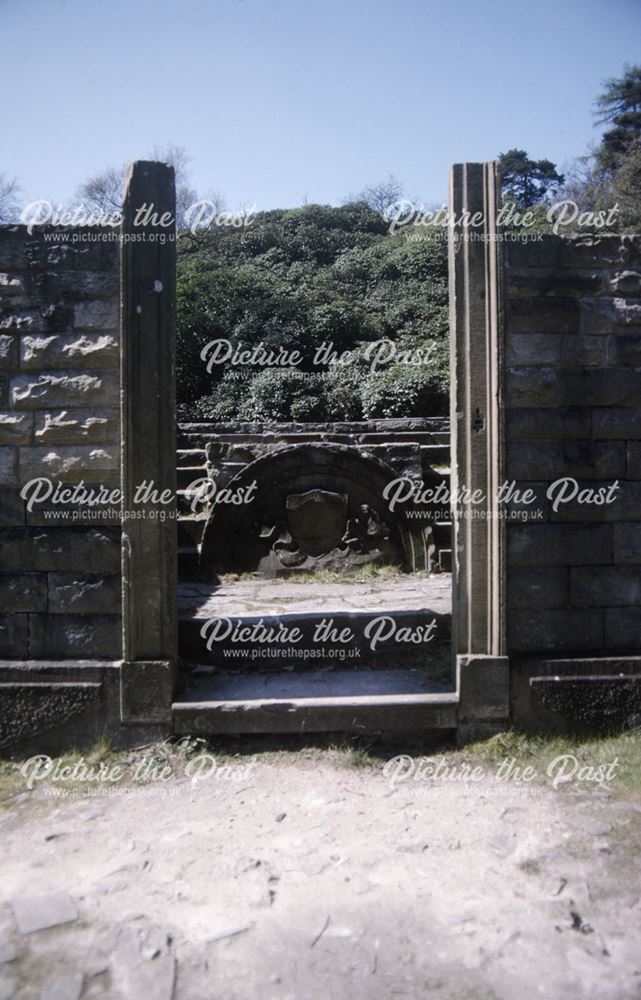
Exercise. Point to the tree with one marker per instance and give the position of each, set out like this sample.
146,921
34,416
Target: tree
619,106
526,181
8,199
103,192
626,188
380,196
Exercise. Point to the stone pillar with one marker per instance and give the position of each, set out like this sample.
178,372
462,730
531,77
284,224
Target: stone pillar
148,411
476,351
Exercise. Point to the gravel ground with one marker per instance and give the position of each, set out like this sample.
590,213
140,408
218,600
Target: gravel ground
314,874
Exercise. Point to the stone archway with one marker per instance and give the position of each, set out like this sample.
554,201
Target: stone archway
313,505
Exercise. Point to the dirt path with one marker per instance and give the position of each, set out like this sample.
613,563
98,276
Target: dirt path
296,876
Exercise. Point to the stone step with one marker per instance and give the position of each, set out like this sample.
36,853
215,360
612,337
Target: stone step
188,562
191,457
190,531
307,641
188,474
342,701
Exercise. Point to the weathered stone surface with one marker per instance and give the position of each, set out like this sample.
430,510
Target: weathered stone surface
8,351
544,587
34,392
617,423
623,629
624,350
33,702
68,463
554,348
83,593
23,592
625,506
559,545
547,386
15,428
8,466
14,636
608,315
60,549
45,351
611,586
555,629
96,315
96,426
626,283
627,543
68,987
553,459
88,636
554,281
4,389
138,679
72,285
543,316
633,469
12,512
529,423
37,912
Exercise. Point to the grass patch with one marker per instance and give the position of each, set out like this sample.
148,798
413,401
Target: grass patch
592,751
367,573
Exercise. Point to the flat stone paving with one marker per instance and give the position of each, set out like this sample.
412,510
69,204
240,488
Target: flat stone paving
248,596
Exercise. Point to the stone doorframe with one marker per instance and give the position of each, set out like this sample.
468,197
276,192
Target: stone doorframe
477,327
149,548
148,435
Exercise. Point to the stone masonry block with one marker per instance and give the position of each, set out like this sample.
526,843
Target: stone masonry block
612,586
15,428
553,459
14,636
86,637
8,351
97,315
60,549
94,426
609,315
538,587
37,391
554,281
69,463
624,350
12,510
529,423
554,348
8,466
23,592
84,593
45,351
545,630
627,543
559,544
560,387
625,506
615,423
623,630
538,315
634,460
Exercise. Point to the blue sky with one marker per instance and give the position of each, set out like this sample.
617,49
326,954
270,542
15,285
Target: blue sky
281,100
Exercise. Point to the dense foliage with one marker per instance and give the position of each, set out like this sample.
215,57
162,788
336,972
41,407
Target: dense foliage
365,310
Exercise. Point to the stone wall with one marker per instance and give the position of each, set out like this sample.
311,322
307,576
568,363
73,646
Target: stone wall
573,409
59,419
412,447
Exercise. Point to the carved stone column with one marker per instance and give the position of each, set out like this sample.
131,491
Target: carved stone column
476,350
148,414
